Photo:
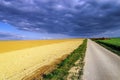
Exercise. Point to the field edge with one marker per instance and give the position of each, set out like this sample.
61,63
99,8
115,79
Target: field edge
62,70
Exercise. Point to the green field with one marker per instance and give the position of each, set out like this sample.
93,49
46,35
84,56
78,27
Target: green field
112,44
113,41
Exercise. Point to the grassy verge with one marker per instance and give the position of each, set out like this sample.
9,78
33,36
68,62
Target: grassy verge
109,46
61,72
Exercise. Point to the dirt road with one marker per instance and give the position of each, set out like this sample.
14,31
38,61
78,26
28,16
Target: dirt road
100,64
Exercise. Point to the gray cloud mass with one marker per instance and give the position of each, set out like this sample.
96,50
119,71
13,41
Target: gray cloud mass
9,36
69,17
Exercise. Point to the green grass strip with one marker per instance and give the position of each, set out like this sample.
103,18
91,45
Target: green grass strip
61,72
114,48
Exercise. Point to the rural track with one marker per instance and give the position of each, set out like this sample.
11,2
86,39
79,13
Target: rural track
100,63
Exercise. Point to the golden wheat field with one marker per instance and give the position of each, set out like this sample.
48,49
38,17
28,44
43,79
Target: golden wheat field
21,58
6,46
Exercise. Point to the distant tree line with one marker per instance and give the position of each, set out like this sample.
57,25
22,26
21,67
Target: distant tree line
103,38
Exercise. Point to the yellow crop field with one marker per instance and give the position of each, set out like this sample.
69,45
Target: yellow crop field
6,46
17,64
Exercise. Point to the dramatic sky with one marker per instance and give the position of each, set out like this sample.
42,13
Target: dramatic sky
49,19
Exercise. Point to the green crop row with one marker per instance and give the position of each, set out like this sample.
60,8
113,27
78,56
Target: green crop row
112,41
111,44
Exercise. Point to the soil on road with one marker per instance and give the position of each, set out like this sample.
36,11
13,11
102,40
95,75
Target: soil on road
100,63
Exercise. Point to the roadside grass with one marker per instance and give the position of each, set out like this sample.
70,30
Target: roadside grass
62,70
111,44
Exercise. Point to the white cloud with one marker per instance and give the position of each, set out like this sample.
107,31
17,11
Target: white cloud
61,16
7,3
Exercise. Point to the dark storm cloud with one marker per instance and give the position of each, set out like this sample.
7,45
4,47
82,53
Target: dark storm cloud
69,17
9,36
